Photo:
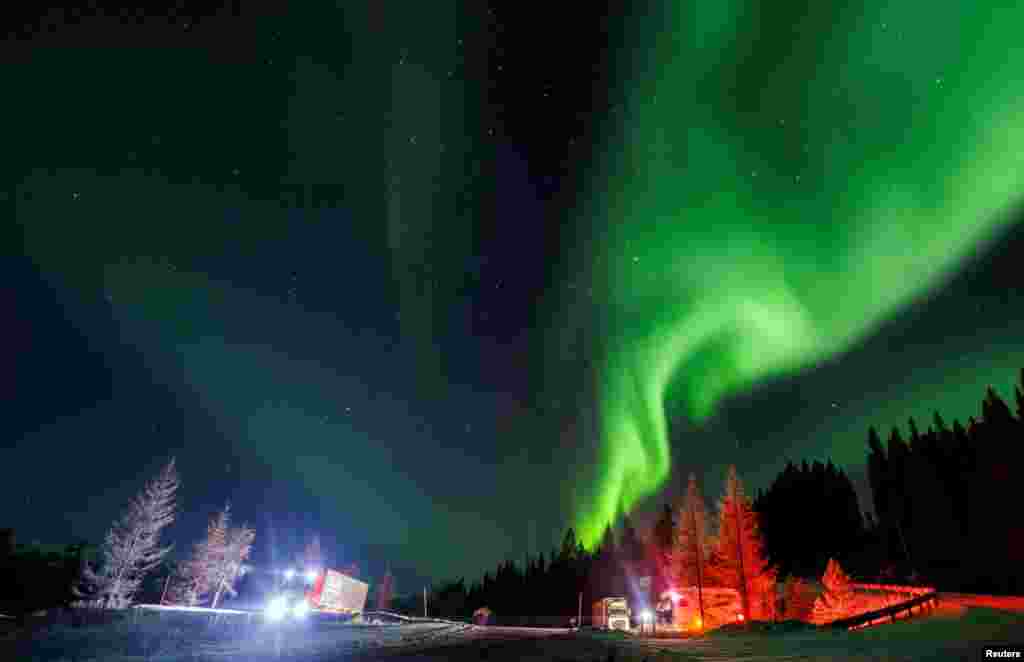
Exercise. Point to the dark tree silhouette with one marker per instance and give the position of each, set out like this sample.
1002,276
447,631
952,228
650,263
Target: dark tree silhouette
937,497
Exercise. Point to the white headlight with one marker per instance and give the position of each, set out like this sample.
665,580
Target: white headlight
288,574
646,615
310,575
277,608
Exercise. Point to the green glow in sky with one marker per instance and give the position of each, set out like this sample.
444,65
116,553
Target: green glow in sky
778,182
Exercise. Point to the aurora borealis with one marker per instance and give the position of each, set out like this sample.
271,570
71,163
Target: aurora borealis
364,267
775,190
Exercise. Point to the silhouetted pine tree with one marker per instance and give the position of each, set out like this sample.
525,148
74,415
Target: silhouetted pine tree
631,548
820,493
664,529
657,549
931,514
898,501
941,498
995,438
603,576
1020,397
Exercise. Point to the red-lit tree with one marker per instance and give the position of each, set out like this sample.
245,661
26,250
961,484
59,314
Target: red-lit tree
836,600
798,599
385,591
690,549
739,559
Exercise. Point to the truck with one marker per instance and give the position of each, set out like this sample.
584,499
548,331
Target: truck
316,591
337,593
611,614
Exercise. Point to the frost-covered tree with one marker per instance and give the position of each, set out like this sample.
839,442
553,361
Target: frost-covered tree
217,562
232,562
219,559
197,578
132,547
690,549
185,587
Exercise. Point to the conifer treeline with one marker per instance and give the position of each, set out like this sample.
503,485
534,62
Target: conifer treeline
948,499
946,512
810,514
945,503
547,589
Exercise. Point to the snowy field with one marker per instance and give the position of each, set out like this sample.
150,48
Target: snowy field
956,632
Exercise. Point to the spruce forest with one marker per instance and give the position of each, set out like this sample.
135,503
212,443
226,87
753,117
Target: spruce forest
944,512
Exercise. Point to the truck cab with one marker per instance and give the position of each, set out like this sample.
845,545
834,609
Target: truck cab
290,601
612,614
618,615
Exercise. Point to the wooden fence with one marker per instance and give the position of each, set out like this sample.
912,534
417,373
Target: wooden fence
917,605
893,588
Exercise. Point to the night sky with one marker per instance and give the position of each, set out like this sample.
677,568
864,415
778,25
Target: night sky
438,280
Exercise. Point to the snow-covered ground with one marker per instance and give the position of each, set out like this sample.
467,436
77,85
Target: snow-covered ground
955,632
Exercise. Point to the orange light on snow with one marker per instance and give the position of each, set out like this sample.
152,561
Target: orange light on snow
697,623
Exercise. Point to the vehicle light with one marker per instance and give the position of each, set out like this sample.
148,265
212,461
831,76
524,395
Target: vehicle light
739,617
277,608
646,615
310,575
289,573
